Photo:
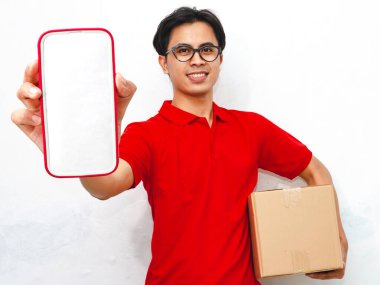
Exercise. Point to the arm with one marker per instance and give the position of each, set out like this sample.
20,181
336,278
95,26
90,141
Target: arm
104,187
317,174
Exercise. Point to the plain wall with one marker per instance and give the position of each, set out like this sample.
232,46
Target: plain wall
312,67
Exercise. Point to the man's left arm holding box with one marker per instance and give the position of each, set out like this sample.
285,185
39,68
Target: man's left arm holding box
283,154
317,174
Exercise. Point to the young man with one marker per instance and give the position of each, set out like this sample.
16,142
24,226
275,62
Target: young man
198,161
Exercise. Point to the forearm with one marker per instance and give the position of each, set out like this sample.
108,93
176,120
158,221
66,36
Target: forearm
317,174
104,187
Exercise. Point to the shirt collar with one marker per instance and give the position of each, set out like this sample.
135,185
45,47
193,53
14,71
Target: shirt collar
182,117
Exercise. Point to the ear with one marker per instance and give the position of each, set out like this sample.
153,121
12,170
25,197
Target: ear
164,64
221,58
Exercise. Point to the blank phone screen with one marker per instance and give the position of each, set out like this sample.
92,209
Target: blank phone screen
78,92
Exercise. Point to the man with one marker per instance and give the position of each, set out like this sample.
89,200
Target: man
198,161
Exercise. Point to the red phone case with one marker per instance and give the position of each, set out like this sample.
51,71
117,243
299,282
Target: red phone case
43,115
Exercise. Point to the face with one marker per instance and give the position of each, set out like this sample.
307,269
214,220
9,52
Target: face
195,77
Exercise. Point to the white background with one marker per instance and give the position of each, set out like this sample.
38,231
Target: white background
312,67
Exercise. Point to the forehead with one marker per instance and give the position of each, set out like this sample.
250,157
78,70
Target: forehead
194,34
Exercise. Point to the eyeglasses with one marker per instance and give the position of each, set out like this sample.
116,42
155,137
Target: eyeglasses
186,52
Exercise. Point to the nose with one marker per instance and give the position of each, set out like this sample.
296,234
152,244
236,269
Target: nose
196,59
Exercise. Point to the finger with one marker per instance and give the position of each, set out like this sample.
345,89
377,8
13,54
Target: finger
334,274
30,123
29,95
317,276
25,117
31,72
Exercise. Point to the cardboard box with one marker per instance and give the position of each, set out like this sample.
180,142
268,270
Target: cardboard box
294,231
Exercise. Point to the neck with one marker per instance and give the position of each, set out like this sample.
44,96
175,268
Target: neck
199,106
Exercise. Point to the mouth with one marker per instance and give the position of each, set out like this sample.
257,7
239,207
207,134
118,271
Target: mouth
199,76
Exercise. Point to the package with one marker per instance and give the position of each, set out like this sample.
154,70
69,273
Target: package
294,231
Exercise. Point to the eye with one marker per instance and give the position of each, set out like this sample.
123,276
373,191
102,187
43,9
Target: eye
209,49
183,50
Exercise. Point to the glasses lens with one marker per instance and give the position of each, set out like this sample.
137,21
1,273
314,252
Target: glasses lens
209,53
183,53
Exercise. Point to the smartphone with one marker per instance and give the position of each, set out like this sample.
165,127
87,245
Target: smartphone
78,105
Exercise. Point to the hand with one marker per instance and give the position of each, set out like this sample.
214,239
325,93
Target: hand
333,274
29,120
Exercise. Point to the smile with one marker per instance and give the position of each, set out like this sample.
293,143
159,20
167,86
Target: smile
197,76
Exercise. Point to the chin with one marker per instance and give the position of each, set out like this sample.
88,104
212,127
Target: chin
199,93
199,90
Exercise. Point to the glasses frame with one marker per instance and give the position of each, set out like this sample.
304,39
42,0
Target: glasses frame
194,51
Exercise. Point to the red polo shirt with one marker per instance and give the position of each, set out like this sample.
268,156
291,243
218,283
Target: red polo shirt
198,179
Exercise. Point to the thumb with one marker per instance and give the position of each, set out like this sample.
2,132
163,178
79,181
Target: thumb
125,91
125,88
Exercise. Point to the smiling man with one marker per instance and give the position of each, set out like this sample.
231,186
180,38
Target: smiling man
198,161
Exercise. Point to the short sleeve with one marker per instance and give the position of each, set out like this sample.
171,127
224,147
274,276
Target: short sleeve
280,152
134,149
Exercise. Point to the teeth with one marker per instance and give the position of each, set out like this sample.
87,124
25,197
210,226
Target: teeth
198,74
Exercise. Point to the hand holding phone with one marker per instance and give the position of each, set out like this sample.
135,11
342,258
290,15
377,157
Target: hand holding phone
28,120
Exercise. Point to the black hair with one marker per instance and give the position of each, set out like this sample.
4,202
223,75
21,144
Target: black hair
184,15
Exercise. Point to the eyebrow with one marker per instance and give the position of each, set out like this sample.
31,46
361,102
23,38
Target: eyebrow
201,45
